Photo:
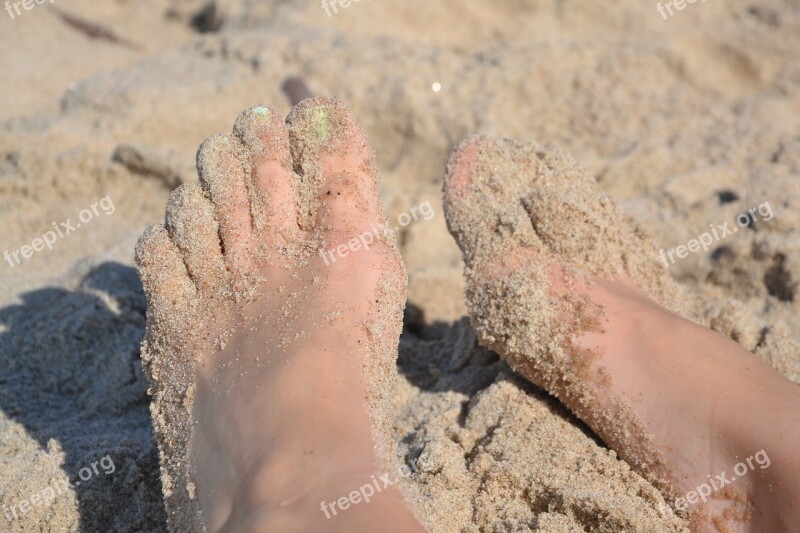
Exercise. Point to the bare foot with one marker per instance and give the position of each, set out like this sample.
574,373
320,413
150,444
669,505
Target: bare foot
568,290
271,365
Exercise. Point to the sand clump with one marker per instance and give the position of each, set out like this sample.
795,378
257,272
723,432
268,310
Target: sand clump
513,477
665,115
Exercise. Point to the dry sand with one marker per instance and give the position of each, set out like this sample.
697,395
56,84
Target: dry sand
687,121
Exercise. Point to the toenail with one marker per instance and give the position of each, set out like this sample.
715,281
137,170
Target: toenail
319,119
261,111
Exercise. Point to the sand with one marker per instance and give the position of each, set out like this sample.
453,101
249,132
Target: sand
687,121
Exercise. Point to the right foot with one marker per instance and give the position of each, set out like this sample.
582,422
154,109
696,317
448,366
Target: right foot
567,289
270,363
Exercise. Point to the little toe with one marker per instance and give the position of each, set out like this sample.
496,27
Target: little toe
166,282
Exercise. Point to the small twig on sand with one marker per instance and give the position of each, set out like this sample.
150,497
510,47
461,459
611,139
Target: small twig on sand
93,30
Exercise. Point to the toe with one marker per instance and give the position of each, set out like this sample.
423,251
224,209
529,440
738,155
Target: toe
164,276
582,238
334,160
263,134
460,168
191,225
338,171
222,176
482,198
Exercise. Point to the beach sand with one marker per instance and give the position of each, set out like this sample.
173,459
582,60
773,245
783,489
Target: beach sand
688,122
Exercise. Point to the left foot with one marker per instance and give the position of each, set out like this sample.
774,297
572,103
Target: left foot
566,288
271,363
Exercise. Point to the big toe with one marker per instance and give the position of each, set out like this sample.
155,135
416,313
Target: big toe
338,172
340,198
482,200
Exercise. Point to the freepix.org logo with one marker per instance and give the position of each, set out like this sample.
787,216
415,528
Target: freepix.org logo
13,8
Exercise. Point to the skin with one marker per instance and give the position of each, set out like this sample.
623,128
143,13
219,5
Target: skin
702,397
699,401
281,427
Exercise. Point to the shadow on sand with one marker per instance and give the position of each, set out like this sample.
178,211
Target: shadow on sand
70,372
